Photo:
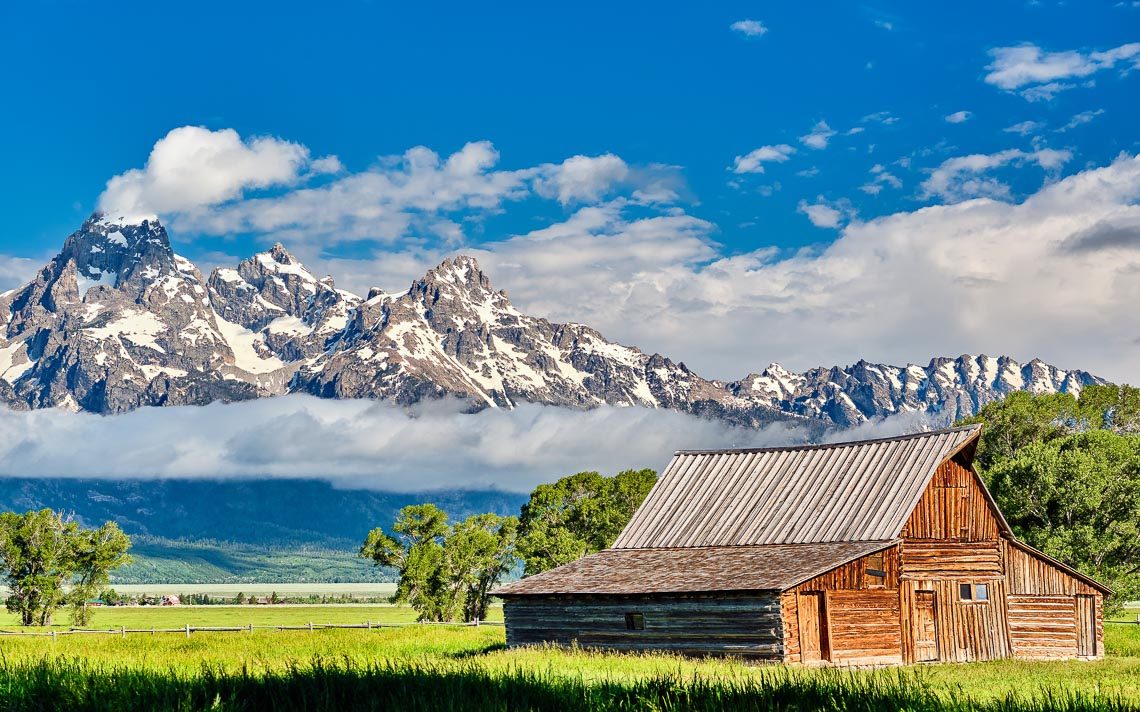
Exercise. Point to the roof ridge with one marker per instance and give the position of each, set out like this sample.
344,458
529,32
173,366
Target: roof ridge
828,446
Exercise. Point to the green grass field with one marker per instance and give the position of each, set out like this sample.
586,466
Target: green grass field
453,667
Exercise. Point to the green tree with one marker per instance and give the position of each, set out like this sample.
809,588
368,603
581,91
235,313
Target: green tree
1066,473
1077,498
445,572
478,552
96,553
578,515
417,555
240,599
42,553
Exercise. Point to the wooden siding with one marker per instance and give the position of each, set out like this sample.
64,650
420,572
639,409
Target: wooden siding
853,575
864,627
953,508
1043,627
965,630
1030,574
740,625
960,561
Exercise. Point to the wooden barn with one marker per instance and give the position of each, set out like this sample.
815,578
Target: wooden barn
873,552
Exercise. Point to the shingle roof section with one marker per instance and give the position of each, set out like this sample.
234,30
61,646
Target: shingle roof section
842,492
699,570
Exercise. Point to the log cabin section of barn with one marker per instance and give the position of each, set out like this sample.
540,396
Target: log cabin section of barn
912,561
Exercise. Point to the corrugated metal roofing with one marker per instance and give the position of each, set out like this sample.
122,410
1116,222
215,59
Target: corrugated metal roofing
702,570
856,491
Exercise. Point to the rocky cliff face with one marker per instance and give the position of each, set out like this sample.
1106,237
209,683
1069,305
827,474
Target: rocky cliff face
117,321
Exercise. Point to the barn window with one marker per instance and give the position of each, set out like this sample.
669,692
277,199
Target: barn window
635,621
973,592
876,573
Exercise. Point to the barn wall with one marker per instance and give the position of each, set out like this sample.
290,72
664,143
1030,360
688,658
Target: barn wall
966,630
1044,608
853,575
953,507
863,616
747,625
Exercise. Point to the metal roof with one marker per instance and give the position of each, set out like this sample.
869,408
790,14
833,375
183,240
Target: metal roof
843,492
699,570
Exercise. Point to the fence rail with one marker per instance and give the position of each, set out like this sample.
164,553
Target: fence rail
188,629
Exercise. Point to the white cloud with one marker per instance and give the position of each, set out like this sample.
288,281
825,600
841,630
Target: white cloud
1040,75
825,214
582,178
882,177
361,443
958,117
1080,119
820,134
963,177
749,28
192,167
977,276
753,161
881,117
884,24
1024,128
14,272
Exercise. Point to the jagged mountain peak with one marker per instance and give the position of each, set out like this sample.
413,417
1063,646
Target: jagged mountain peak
118,321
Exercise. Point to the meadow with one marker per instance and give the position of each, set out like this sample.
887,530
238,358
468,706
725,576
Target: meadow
428,667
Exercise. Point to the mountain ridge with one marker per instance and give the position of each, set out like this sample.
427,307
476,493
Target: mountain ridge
118,321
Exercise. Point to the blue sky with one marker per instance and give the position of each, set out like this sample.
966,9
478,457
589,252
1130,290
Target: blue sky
718,141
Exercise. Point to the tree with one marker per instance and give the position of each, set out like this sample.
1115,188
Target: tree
445,572
1077,498
42,553
240,599
478,552
96,553
1066,473
578,515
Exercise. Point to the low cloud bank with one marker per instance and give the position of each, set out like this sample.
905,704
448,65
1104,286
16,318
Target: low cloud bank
369,444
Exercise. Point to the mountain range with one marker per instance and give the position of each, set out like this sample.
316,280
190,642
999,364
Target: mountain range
118,321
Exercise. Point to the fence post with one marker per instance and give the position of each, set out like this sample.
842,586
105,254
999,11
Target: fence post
476,621
123,631
310,626
368,623
53,636
187,630
250,627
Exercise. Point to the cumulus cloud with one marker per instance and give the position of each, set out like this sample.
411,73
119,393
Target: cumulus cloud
818,137
1040,75
582,178
976,276
202,182
825,214
964,177
958,117
749,28
193,167
753,161
14,271
361,443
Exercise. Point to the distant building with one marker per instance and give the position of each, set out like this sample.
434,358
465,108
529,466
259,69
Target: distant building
873,552
170,601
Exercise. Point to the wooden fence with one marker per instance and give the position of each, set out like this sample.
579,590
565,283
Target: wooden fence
188,629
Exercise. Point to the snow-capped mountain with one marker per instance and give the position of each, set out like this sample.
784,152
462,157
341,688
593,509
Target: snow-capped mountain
117,321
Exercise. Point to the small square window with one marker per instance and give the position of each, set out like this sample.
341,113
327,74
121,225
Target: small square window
635,621
973,592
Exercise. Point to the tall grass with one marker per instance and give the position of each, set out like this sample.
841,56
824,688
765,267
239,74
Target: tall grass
466,685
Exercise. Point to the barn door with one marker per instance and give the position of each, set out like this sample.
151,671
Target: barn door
814,643
925,627
1086,626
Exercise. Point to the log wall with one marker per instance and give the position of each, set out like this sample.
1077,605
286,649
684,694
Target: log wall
746,625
